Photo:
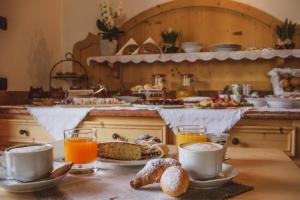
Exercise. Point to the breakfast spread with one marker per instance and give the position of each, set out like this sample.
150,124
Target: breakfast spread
96,101
160,101
216,102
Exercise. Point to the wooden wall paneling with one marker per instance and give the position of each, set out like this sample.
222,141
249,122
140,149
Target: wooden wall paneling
205,21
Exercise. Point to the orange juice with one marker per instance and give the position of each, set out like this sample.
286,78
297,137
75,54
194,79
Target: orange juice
183,137
80,150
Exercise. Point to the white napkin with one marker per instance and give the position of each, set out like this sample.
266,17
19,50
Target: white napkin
216,121
55,119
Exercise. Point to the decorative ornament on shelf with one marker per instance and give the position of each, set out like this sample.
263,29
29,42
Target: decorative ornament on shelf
106,23
169,37
285,33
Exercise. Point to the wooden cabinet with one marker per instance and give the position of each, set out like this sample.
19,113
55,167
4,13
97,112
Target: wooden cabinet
24,129
264,134
280,134
126,128
18,131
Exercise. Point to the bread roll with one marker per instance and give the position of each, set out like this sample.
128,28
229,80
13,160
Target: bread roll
174,181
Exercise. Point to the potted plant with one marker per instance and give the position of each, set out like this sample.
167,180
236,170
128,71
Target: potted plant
169,37
108,31
285,33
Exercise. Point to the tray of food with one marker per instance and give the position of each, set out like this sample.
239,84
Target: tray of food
222,103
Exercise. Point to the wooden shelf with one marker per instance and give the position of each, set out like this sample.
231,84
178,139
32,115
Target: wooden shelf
193,57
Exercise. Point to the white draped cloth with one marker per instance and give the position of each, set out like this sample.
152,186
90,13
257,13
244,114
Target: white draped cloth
55,119
215,121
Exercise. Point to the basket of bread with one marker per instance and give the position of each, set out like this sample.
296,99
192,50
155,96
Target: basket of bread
285,81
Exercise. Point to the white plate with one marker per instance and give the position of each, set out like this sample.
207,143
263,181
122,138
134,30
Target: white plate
18,187
228,173
140,106
124,163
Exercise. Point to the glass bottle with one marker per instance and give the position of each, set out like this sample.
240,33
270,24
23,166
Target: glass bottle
186,89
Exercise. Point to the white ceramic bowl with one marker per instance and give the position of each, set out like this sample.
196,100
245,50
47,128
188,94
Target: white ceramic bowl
257,102
279,103
190,47
128,99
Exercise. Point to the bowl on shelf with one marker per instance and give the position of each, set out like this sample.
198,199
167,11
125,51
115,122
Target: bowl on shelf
191,47
257,102
279,102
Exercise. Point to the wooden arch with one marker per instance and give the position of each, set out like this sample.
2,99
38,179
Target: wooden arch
206,21
180,4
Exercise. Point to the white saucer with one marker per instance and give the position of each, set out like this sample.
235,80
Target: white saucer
228,173
18,187
141,106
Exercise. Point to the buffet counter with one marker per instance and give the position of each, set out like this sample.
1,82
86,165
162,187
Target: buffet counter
257,128
251,114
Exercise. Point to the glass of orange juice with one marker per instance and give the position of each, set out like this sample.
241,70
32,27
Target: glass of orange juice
81,149
190,134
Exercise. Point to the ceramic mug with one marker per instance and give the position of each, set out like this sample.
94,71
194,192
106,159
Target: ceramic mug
29,162
202,160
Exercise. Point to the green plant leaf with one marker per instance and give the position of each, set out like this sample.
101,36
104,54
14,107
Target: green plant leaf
101,26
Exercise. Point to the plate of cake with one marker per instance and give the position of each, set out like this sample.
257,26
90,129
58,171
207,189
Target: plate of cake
137,153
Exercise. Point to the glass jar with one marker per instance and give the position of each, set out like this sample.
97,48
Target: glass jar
159,81
190,134
187,88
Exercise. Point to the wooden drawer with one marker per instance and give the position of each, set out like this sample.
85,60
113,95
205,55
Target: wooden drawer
24,131
282,138
126,129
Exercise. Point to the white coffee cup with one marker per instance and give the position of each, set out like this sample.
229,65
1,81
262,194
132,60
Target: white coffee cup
203,160
29,162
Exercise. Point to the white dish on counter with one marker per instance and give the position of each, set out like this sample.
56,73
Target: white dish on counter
19,187
257,102
279,102
153,107
128,99
228,173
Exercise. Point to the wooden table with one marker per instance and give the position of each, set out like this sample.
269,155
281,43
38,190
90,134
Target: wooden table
272,174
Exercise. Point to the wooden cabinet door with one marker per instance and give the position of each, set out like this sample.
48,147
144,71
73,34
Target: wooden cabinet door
127,129
280,137
22,131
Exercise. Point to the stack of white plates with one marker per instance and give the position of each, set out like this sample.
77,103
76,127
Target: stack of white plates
226,47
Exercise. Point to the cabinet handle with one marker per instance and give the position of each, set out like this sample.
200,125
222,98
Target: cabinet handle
24,132
116,136
235,141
